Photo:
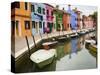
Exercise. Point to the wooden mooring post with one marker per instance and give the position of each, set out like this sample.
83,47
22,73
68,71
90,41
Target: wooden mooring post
27,45
34,41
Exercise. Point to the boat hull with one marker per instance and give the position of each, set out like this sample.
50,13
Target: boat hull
44,63
92,50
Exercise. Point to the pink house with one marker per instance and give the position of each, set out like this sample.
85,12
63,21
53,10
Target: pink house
88,22
49,18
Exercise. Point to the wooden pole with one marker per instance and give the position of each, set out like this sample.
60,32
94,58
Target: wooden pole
40,34
27,45
34,41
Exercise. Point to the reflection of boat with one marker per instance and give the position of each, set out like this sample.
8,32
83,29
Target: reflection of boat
90,45
43,57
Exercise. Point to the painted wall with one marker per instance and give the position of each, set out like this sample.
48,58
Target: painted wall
79,20
38,17
66,21
21,15
49,18
59,19
73,18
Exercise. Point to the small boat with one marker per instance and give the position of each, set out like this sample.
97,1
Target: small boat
91,46
81,32
62,38
43,57
51,44
73,35
90,41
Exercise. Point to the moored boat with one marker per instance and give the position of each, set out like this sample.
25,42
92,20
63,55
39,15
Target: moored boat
73,35
92,47
43,57
47,45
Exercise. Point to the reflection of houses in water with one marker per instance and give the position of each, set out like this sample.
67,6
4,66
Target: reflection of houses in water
67,48
75,46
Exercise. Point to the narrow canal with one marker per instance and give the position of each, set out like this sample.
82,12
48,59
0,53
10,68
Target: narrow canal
71,55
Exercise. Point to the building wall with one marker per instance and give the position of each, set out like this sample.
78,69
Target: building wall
49,18
66,21
59,19
78,20
38,17
73,19
21,15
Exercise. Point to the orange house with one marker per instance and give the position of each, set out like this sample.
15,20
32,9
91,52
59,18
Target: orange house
21,19
66,20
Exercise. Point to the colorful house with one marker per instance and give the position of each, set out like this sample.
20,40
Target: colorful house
49,18
59,19
20,19
90,22
38,16
79,20
73,18
66,20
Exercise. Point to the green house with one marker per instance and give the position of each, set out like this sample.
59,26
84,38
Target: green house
58,15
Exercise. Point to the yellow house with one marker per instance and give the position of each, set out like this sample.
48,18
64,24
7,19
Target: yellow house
21,19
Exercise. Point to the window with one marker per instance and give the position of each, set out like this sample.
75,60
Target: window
47,12
32,8
43,24
43,11
39,10
52,13
26,6
27,24
15,5
33,24
40,24
17,22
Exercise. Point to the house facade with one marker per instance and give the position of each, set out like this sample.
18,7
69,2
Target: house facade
49,18
73,19
20,19
79,20
38,17
59,19
66,20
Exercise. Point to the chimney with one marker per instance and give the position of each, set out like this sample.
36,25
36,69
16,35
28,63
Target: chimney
69,6
63,9
57,6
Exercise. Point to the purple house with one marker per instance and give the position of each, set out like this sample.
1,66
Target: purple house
49,18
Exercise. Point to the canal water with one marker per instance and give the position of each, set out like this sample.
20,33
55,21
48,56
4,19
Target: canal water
71,55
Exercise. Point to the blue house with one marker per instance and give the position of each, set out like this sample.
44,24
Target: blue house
38,18
73,18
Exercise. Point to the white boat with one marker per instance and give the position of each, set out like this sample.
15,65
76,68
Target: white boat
90,41
43,57
49,43
82,32
73,35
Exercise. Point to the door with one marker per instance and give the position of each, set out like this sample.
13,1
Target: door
37,27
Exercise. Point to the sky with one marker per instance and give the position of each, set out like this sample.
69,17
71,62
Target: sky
86,10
